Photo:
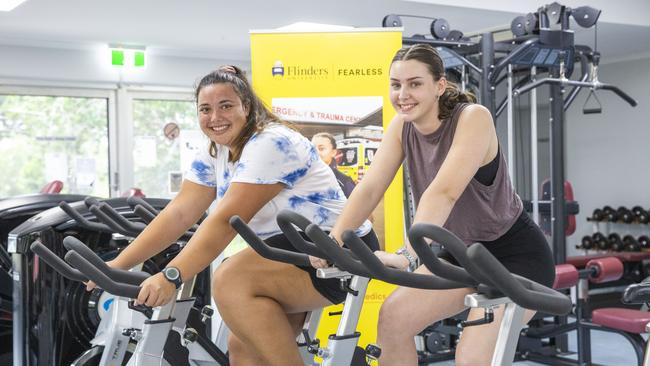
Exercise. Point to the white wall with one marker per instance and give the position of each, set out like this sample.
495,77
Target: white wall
608,154
52,66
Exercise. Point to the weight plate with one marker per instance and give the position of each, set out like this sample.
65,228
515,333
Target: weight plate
455,35
517,27
439,28
391,20
531,23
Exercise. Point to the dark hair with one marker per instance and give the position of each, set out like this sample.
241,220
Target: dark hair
327,136
429,56
259,115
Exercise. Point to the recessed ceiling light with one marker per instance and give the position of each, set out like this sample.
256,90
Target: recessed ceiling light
9,5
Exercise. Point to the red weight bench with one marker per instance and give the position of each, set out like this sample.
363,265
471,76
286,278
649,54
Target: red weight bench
625,322
134,192
54,187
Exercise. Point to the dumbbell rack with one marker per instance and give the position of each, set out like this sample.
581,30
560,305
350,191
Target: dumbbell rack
606,227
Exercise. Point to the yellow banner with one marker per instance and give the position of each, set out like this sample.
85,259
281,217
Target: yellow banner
336,78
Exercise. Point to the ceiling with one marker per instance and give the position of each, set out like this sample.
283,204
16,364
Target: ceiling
218,29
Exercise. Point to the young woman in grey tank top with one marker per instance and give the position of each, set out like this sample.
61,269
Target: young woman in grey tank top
449,142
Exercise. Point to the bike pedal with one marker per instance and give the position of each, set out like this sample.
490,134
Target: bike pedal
314,347
373,351
190,335
206,313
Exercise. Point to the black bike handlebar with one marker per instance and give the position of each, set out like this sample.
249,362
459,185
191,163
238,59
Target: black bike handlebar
341,257
458,250
121,220
134,201
91,201
117,228
122,225
130,277
144,214
82,221
286,220
148,214
57,263
265,250
456,247
100,278
525,293
391,275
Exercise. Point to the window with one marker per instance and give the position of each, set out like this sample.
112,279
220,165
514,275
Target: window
53,137
166,134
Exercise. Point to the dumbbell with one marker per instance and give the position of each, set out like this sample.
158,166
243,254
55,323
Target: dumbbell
644,241
615,242
610,214
642,215
586,243
606,213
598,215
625,215
631,244
600,241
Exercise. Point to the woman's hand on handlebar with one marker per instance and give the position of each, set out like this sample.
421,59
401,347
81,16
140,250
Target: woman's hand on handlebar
318,262
392,260
156,291
90,285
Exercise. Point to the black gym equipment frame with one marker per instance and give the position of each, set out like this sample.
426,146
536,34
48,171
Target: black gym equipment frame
39,333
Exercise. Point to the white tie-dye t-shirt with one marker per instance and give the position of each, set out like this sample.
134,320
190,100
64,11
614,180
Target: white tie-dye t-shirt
277,155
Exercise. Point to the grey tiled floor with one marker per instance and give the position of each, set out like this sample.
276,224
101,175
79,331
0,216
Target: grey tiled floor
606,349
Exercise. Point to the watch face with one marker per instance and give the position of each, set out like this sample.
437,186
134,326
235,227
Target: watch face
171,273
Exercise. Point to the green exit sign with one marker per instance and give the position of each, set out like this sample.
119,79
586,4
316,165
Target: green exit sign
127,57
117,57
138,59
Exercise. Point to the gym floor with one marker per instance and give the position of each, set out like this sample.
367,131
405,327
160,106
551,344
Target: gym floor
606,349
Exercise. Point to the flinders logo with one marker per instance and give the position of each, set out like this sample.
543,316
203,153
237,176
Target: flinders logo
277,69
299,72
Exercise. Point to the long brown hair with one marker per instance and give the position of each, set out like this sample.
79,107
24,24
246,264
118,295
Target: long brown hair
429,56
259,115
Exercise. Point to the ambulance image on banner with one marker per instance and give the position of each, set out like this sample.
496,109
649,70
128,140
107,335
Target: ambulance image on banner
355,156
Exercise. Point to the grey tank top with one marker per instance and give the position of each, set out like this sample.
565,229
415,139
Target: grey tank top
482,213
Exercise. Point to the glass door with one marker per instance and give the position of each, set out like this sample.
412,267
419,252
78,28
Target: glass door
166,135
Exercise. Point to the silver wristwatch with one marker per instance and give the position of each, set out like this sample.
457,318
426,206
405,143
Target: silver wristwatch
413,261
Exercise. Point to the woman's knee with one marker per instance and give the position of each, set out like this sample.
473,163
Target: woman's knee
219,276
227,282
390,316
